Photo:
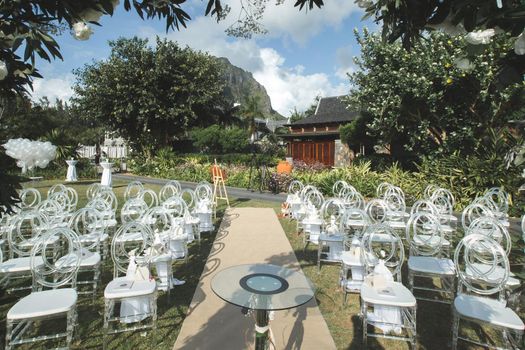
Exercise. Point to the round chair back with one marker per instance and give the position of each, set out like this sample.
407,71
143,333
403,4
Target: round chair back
149,197
60,266
203,191
381,242
87,222
481,264
295,187
25,230
492,227
175,206
30,198
424,234
55,189
353,199
337,187
133,210
92,190
376,210
132,238
133,190
472,212
170,189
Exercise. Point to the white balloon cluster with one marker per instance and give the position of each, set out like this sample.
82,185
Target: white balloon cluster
30,154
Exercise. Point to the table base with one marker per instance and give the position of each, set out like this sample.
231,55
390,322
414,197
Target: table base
261,323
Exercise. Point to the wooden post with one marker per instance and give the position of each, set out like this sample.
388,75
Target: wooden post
219,188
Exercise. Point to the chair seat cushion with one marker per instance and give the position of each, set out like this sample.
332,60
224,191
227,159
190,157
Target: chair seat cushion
431,265
89,259
18,265
394,294
124,287
48,302
487,310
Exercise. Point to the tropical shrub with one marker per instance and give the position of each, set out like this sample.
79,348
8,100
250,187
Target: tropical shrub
216,138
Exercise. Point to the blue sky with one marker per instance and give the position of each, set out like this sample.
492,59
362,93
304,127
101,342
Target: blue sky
301,56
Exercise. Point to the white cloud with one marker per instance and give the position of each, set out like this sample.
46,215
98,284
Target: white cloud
345,62
286,21
59,87
287,86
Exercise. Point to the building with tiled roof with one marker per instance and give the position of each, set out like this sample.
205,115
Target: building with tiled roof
316,138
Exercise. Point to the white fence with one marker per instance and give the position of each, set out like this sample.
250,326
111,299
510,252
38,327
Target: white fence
107,151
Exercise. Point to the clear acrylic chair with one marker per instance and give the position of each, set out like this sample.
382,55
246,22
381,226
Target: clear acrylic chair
480,298
494,229
312,221
427,261
293,201
396,208
204,206
49,300
332,237
137,296
426,206
353,265
24,233
377,211
86,224
191,222
386,304
445,202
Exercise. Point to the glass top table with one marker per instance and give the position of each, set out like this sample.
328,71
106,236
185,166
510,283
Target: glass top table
262,287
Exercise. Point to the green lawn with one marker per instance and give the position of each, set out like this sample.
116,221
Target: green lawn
434,320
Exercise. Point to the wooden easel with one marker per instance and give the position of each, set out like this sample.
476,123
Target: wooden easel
219,188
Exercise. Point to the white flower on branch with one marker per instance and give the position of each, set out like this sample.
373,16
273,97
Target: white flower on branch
480,36
519,44
364,3
464,64
3,70
82,31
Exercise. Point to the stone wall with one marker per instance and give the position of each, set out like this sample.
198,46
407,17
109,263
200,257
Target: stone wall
343,154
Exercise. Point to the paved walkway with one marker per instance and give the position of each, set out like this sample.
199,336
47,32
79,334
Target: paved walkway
232,191
249,235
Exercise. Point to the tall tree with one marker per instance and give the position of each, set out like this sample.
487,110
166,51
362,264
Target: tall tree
431,99
150,96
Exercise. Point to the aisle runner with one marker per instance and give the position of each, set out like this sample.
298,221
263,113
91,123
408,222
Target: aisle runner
249,235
